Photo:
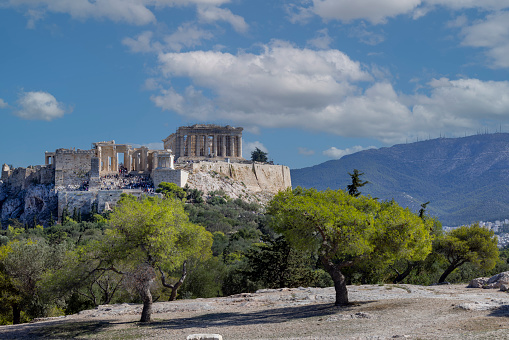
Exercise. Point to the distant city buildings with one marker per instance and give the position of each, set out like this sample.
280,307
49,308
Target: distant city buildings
500,228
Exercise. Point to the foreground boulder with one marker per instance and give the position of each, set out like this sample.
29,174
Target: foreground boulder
499,281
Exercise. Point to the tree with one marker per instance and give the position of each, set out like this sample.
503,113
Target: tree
353,189
171,190
24,263
275,264
259,156
146,235
473,244
344,230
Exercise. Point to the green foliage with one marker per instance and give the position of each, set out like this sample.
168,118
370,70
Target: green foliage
194,195
259,156
171,190
473,244
274,264
205,279
149,234
344,230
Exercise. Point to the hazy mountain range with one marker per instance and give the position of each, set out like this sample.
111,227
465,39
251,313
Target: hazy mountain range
465,179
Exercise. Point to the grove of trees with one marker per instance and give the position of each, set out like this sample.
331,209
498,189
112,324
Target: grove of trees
190,245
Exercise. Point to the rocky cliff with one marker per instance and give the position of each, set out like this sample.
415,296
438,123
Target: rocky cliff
35,201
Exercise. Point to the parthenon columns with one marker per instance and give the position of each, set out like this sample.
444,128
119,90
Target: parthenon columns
210,141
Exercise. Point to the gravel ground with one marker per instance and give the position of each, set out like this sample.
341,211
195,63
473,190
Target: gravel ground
376,312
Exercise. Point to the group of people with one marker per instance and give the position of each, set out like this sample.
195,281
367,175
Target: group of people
123,180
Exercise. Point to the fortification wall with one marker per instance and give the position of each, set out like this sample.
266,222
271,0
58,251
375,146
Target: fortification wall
22,178
256,177
179,177
84,200
72,167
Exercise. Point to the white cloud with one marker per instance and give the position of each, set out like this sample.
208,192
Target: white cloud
3,104
187,35
322,40
464,4
335,153
323,91
492,34
135,12
305,151
141,44
40,106
211,14
378,11
248,147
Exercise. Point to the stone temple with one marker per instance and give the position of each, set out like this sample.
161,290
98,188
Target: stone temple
206,141
98,176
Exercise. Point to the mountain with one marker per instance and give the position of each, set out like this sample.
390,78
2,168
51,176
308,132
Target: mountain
465,179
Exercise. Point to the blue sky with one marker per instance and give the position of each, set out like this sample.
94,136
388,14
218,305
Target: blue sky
309,80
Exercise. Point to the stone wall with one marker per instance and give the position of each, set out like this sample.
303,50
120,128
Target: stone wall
179,177
256,177
84,200
72,167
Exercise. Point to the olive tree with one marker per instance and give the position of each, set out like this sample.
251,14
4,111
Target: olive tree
344,230
148,235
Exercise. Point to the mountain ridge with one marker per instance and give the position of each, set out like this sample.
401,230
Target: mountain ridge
466,179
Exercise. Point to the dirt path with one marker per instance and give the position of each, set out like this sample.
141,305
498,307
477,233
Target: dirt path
376,312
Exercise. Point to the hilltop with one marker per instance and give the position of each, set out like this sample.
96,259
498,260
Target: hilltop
465,179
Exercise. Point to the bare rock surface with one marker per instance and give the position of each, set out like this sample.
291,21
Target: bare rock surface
375,312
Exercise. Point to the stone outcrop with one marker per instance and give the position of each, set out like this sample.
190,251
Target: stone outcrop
256,177
499,281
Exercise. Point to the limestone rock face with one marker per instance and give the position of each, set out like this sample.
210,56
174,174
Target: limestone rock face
37,200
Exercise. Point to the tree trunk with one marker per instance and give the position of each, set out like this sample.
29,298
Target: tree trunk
408,270
146,297
16,314
339,281
447,272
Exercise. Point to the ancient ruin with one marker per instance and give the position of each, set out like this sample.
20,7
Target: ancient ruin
201,141
93,180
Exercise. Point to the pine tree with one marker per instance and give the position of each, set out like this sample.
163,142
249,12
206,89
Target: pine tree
353,189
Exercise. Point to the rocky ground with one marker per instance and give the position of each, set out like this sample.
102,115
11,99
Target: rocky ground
376,312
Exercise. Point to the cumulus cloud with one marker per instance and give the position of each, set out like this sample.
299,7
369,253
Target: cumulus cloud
306,151
248,147
375,11
212,14
491,34
3,104
280,77
379,11
40,106
135,12
323,91
335,153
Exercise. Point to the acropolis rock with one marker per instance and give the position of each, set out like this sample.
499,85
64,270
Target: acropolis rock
206,157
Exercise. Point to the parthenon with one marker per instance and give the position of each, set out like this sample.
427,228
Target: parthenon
201,141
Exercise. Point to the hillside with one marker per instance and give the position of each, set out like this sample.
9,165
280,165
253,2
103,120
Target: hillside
466,179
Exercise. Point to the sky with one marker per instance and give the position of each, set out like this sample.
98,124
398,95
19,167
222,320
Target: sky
308,80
